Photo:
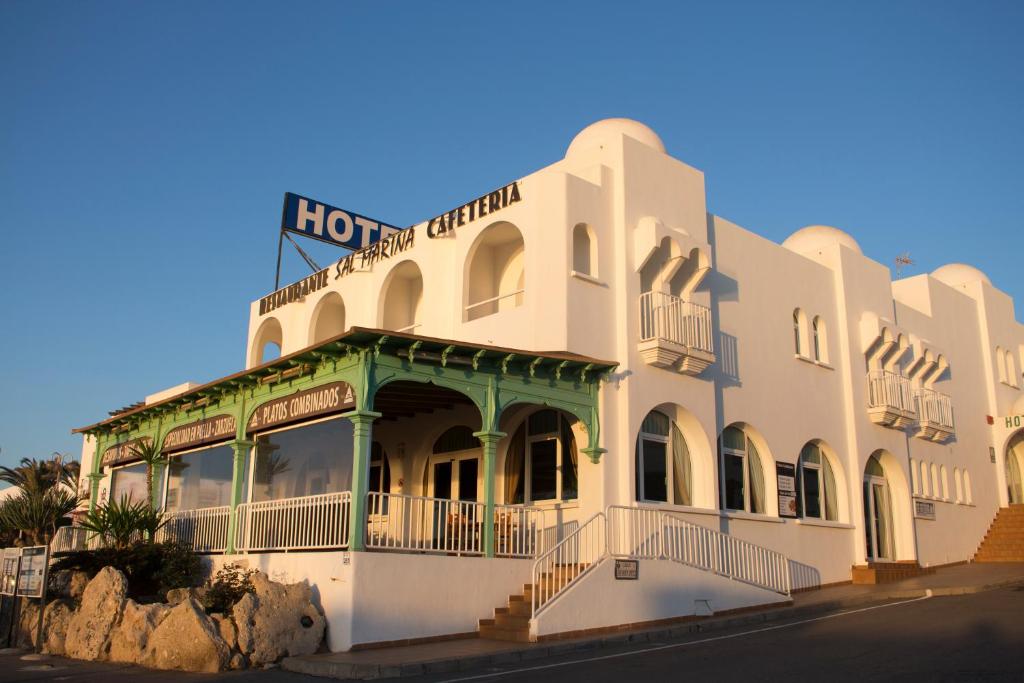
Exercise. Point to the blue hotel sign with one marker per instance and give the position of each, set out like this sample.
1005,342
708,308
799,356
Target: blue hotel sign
305,216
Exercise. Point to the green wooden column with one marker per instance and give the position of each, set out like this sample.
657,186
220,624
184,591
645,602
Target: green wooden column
362,436
94,488
241,448
489,443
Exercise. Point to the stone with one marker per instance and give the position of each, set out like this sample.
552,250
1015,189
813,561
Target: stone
69,584
187,640
58,614
176,596
226,629
129,641
90,628
237,662
277,620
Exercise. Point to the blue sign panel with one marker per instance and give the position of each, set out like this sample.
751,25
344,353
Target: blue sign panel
305,216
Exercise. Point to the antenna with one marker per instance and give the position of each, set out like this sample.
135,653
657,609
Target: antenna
901,261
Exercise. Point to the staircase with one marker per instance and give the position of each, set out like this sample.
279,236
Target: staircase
1004,541
512,622
888,572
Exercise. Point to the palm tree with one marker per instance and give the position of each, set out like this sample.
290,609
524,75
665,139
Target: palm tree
147,451
36,517
36,477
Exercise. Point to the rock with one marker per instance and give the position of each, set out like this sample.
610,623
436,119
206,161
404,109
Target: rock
277,620
187,640
69,584
237,662
128,642
90,628
226,629
176,596
58,614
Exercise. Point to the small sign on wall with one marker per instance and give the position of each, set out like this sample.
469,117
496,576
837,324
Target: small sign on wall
627,570
924,509
785,475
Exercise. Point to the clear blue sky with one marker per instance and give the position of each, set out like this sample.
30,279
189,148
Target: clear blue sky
145,148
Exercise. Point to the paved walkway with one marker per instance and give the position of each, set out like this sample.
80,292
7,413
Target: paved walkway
472,653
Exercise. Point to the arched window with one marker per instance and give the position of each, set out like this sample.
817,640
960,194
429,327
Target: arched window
820,339
328,318
584,250
541,463
454,439
742,477
1000,364
968,498
798,332
945,482
495,275
1011,369
936,486
662,456
958,483
267,343
925,488
402,303
915,478
818,492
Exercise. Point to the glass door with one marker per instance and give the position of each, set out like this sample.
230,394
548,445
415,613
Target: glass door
454,478
878,520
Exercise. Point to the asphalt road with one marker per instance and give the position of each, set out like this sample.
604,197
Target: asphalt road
976,637
964,638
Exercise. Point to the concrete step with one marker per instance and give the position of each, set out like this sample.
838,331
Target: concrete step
497,633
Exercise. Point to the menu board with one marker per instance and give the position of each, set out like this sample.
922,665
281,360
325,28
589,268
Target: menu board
32,572
785,475
9,570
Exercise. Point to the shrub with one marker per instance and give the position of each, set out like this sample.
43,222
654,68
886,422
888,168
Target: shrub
226,588
35,517
123,522
152,569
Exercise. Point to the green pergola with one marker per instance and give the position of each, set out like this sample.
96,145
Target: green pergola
492,378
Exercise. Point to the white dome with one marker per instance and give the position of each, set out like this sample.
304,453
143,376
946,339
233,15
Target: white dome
596,134
956,274
816,237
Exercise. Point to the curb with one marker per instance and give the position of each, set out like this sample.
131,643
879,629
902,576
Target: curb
320,666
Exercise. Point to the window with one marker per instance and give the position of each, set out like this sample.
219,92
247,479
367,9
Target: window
1011,370
200,479
130,482
924,479
817,484
455,439
1000,364
662,456
820,339
915,478
798,332
945,483
380,470
742,479
958,483
936,487
303,461
967,488
542,463
584,251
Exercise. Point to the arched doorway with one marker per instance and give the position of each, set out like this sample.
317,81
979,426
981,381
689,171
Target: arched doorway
454,469
1014,466
878,524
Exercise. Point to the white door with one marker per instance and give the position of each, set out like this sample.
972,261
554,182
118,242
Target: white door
878,520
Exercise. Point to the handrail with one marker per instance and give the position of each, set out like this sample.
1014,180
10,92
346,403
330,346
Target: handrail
205,530
304,523
568,561
935,407
645,533
666,316
398,521
891,390
518,531
494,299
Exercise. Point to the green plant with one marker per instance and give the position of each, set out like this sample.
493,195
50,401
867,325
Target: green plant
37,477
148,452
35,516
152,569
227,587
121,523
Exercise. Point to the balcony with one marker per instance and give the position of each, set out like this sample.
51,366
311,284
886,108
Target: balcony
891,399
936,416
675,333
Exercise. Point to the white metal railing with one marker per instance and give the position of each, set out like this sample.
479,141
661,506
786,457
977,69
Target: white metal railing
473,313
644,533
887,389
665,316
421,524
69,539
408,328
205,530
518,531
935,407
308,522
568,561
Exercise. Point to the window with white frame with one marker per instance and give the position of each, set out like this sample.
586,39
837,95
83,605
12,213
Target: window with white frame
818,495
662,456
798,332
742,478
541,463
819,339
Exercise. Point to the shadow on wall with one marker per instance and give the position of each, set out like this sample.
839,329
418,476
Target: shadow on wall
729,359
803,576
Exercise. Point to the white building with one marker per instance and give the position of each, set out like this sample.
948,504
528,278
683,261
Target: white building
765,418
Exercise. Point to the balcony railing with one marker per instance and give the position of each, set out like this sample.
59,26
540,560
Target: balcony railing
294,523
420,524
205,530
673,330
935,410
518,531
69,539
891,399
